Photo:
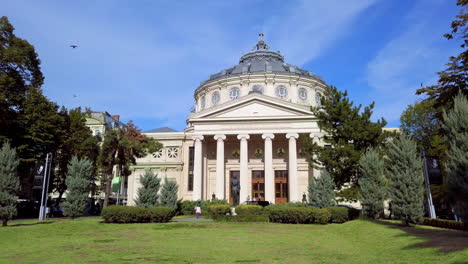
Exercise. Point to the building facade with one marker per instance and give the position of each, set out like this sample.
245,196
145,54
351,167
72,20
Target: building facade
242,139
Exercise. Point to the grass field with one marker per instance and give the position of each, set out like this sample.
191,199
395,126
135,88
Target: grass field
87,240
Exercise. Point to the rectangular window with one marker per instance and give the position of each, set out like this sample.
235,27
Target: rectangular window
190,168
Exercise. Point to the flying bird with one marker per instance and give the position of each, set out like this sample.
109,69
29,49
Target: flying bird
73,46
75,95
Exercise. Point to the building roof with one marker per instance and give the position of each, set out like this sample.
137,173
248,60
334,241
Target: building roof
262,60
161,130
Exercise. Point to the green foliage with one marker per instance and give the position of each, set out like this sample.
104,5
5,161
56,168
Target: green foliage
131,214
169,193
450,224
406,188
339,214
147,194
321,191
121,148
322,216
348,130
456,129
243,218
187,207
207,203
249,209
79,180
292,215
218,210
20,68
372,183
9,183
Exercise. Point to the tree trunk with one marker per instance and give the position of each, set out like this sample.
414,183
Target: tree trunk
107,191
4,221
59,199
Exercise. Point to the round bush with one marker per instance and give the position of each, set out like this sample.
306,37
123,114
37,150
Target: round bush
249,209
218,210
339,214
187,207
291,214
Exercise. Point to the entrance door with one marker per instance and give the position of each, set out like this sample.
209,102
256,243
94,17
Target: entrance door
258,185
281,186
234,188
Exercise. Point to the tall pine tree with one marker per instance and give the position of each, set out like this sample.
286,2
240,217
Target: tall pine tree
456,129
322,191
372,183
148,192
406,189
9,183
169,193
79,180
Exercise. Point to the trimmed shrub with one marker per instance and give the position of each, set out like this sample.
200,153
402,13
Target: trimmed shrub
248,209
125,214
187,207
445,224
218,210
292,215
339,214
206,204
161,214
132,214
322,216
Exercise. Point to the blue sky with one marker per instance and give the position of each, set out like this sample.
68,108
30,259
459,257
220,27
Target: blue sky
143,59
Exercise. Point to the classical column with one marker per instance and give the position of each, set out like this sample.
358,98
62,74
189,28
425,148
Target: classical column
269,173
197,168
292,172
244,168
315,139
220,194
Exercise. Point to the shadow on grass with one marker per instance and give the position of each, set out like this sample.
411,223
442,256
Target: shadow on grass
445,240
31,224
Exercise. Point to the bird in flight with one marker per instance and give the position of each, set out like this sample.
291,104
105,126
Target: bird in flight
73,46
75,95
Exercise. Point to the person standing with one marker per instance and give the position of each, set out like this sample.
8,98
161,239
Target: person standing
198,209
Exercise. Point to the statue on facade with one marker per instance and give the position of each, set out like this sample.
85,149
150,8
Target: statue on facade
235,188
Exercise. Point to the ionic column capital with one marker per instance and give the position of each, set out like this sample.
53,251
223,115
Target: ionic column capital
243,136
197,137
269,136
292,135
219,137
314,135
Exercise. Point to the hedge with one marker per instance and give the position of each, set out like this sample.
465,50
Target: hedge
292,215
322,216
249,209
133,214
188,207
445,224
339,214
218,210
242,218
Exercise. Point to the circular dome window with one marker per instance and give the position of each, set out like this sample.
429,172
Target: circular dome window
215,98
234,93
282,91
257,89
302,94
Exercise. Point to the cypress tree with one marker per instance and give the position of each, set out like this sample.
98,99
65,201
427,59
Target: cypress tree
456,129
322,191
406,188
79,180
9,183
148,193
372,183
169,193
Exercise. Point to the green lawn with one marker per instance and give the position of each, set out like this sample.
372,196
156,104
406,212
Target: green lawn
87,240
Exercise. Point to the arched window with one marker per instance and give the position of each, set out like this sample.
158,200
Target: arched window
318,97
215,98
282,91
234,93
302,94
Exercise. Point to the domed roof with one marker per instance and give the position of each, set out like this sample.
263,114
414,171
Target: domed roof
261,59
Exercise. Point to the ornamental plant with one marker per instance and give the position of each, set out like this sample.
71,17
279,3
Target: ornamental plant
148,192
9,183
169,193
322,191
372,183
79,179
